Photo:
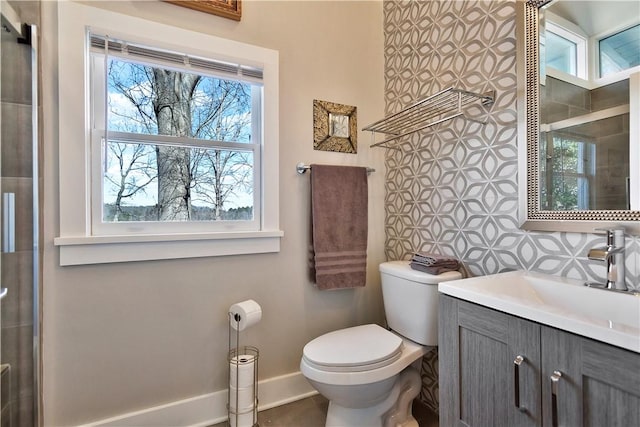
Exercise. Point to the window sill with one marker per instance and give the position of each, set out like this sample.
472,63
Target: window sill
108,249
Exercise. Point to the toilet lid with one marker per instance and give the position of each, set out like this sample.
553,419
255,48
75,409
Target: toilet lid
369,345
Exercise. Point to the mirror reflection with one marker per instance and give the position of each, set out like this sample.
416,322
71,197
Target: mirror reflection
589,50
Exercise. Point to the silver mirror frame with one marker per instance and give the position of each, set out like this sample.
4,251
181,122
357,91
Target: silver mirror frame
530,215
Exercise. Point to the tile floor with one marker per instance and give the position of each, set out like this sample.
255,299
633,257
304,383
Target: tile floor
311,412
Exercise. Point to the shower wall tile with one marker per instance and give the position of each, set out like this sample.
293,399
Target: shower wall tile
453,189
565,93
22,414
16,140
610,95
16,88
21,339
5,395
5,416
17,277
563,100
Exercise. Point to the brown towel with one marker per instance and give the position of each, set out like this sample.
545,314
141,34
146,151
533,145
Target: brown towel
339,230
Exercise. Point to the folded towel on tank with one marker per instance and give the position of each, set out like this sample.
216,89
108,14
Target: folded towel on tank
433,263
431,270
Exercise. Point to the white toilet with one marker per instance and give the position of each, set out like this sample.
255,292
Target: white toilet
366,371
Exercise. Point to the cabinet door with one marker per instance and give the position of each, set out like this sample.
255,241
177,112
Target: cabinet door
477,350
598,385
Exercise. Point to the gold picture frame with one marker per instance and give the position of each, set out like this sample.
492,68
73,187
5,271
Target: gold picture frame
231,9
335,127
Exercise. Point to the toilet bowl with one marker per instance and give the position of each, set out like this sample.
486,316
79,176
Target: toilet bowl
361,376
366,371
363,365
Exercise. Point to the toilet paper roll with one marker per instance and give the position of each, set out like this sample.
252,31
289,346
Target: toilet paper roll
241,399
241,420
241,371
246,313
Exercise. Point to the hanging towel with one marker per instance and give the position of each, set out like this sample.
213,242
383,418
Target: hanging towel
339,226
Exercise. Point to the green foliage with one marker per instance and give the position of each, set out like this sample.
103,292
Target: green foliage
562,169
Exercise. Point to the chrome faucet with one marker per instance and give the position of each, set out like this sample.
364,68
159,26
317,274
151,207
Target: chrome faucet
613,255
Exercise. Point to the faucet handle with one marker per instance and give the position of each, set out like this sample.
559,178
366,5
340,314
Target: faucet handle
613,255
609,229
613,234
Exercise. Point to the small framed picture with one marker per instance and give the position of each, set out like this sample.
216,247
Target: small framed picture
335,127
231,9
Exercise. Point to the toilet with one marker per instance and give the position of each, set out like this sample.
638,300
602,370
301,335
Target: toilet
370,374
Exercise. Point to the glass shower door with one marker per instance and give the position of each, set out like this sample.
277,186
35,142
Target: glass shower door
19,243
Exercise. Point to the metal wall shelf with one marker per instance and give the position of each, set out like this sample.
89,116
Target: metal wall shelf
440,107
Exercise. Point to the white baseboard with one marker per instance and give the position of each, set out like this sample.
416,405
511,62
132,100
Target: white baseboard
211,408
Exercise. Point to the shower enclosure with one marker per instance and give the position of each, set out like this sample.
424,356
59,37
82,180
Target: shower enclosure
19,259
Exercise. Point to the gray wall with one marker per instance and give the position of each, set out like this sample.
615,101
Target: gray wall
112,331
454,191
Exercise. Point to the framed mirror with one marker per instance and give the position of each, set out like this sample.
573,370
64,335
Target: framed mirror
579,114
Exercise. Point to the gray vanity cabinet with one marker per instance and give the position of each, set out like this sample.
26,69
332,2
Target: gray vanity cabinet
501,370
598,385
476,352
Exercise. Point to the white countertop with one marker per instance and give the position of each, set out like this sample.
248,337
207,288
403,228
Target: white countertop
610,317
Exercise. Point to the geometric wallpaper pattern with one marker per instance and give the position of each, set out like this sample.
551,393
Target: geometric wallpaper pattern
452,189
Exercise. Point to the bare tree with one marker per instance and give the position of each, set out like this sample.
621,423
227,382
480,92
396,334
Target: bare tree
219,174
134,168
182,104
173,92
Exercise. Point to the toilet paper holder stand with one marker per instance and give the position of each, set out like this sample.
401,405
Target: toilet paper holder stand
242,358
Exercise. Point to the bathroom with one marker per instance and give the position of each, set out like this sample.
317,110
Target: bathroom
149,337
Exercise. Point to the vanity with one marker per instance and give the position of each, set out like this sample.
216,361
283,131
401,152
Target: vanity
528,349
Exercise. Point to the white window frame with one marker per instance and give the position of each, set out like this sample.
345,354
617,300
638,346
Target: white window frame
595,43
78,241
99,226
580,42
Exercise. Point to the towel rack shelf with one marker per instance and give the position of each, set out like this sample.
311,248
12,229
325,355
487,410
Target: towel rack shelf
430,111
302,168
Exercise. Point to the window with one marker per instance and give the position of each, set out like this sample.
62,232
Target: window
565,51
151,173
178,141
561,54
567,169
619,51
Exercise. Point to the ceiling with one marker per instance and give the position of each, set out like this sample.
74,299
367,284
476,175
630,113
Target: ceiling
597,17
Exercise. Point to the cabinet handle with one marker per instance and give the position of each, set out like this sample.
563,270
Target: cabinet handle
516,376
555,378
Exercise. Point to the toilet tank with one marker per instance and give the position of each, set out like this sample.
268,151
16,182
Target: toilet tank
411,300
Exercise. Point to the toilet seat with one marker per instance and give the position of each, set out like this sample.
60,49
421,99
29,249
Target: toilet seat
363,373
356,349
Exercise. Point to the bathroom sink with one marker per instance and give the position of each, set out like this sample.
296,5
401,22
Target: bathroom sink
566,304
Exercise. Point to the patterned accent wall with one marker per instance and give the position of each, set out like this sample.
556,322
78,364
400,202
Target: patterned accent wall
453,189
